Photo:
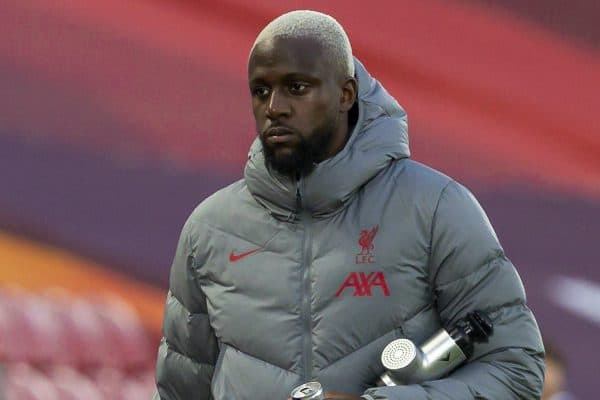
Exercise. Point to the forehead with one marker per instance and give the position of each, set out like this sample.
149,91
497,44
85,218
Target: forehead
281,56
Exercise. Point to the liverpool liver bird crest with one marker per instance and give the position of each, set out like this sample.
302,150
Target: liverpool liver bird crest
366,240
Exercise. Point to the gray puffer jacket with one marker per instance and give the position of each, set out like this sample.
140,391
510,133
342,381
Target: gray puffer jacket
276,282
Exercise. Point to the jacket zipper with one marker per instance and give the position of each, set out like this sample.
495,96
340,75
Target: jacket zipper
306,283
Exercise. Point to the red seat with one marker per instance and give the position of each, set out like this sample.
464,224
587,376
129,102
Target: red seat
58,328
73,385
84,334
23,382
15,333
124,329
136,389
109,381
44,330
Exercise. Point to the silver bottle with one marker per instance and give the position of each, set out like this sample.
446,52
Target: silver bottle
406,363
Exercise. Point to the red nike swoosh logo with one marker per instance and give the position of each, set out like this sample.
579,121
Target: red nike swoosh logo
237,257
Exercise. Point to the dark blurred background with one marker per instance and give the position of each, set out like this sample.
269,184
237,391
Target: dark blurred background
117,118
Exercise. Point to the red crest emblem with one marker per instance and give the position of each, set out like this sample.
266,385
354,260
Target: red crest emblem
365,241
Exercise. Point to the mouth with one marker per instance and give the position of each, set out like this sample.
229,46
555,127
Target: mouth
278,131
280,135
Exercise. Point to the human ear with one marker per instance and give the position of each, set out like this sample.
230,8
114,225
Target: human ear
348,94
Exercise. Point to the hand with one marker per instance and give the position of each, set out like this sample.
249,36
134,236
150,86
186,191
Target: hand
341,396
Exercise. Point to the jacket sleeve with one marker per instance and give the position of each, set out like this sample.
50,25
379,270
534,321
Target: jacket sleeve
469,271
188,349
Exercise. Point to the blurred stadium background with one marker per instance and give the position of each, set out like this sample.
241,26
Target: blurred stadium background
118,117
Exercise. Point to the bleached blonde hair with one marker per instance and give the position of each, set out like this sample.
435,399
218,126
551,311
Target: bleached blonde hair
322,28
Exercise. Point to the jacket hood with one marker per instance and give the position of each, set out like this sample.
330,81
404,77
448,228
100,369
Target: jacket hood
379,137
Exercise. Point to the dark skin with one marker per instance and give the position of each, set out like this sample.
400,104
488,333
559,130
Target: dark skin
300,101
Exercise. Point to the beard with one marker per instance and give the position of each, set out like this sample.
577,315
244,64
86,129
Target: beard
303,156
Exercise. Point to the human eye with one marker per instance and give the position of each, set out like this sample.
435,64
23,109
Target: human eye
261,92
298,88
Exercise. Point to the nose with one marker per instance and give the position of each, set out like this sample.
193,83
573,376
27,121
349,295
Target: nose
278,105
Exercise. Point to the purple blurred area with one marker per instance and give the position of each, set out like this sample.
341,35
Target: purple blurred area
118,118
576,20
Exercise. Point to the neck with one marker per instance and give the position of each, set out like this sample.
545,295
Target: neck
339,138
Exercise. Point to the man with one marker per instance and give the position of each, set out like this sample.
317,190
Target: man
334,244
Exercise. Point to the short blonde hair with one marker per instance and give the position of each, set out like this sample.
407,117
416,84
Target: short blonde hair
323,28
